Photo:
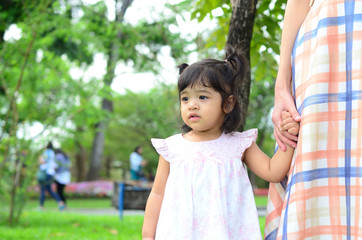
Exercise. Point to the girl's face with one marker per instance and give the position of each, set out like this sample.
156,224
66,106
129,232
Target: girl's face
201,109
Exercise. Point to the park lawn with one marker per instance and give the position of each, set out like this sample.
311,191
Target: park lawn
261,201
45,225
52,224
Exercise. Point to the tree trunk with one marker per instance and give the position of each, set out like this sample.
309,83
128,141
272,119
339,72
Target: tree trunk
241,31
80,162
98,142
109,161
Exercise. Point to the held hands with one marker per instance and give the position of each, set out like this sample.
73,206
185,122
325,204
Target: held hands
288,124
284,102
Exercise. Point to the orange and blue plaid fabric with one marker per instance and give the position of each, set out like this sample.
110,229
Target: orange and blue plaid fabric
321,198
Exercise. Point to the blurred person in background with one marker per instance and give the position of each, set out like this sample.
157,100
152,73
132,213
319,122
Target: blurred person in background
62,172
136,164
46,172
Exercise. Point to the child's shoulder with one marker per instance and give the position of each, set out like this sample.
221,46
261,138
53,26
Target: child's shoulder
251,133
164,142
167,146
170,138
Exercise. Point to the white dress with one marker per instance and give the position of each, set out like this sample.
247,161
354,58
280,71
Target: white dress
208,194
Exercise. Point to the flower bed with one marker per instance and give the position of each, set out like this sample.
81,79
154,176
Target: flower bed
102,188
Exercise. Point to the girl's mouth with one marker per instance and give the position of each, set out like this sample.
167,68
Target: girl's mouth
193,116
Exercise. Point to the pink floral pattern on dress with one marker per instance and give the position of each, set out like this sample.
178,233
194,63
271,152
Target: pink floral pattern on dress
208,194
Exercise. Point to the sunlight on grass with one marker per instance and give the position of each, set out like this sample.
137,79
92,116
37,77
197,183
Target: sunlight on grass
63,225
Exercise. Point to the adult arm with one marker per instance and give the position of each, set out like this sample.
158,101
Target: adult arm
295,13
154,201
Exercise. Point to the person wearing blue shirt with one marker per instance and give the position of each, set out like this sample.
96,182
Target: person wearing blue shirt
48,165
136,164
62,173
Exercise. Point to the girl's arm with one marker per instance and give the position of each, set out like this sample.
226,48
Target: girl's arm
154,201
295,13
276,168
270,169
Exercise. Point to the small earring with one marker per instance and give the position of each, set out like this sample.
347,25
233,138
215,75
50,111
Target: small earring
311,3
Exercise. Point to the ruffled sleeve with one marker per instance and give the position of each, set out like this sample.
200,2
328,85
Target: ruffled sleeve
161,147
246,138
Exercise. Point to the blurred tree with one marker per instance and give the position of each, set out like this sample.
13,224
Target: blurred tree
139,45
30,77
140,117
113,57
36,87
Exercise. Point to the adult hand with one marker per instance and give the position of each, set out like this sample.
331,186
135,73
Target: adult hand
284,102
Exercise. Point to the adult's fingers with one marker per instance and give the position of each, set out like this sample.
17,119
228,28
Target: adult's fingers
291,128
279,141
288,138
293,111
285,126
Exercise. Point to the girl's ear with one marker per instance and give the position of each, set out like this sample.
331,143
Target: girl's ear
229,104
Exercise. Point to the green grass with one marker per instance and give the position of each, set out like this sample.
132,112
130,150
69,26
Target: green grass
262,225
52,224
62,225
261,201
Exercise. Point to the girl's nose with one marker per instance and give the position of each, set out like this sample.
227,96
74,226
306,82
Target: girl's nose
193,105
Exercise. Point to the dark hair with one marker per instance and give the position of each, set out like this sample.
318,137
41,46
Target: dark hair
223,76
50,145
60,151
136,149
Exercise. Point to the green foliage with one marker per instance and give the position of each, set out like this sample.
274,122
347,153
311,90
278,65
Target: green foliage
15,182
140,117
266,39
204,9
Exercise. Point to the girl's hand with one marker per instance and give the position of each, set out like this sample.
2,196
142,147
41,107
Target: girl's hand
288,124
41,159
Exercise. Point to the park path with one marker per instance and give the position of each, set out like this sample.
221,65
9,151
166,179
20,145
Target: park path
127,212
104,211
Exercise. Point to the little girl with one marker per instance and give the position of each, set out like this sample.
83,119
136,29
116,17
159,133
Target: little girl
202,190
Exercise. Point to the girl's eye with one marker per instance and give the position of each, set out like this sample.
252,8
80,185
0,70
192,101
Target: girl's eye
184,99
203,97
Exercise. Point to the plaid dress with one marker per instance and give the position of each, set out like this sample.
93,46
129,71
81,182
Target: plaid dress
321,198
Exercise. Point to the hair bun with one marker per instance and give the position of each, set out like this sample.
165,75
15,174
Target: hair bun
182,67
235,56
